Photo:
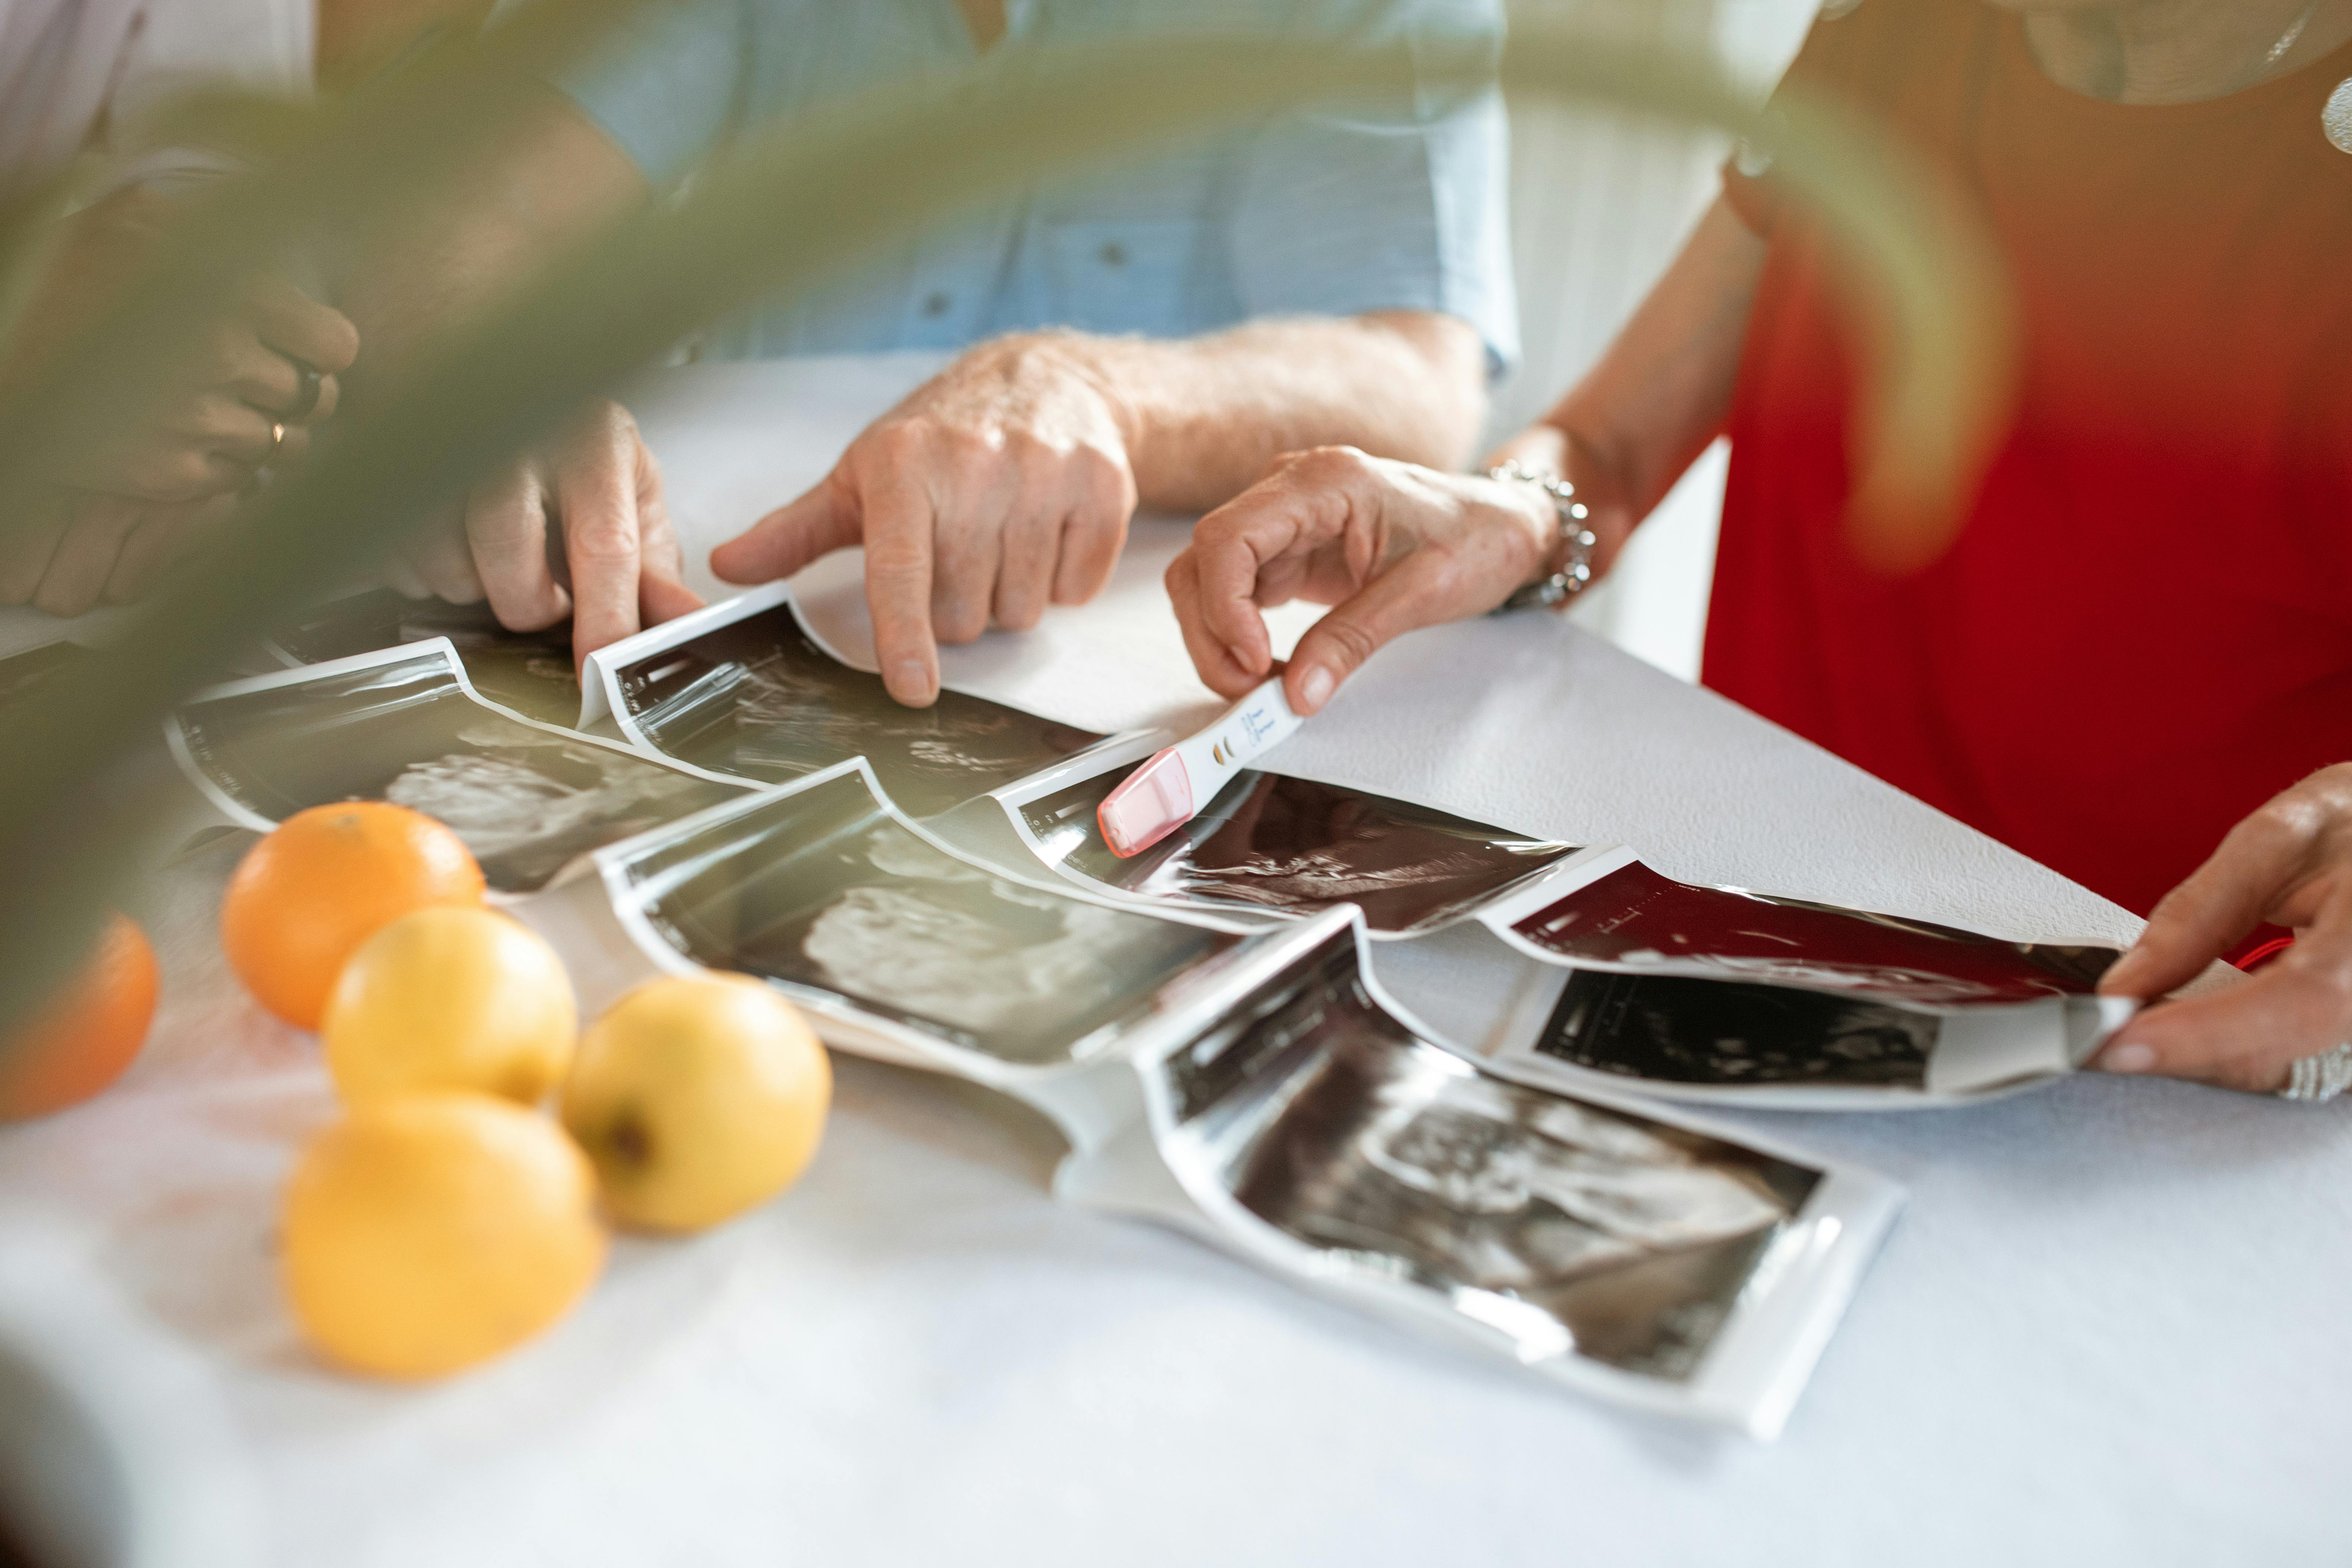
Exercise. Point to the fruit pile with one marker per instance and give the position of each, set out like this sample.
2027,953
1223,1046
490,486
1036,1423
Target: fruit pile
445,1218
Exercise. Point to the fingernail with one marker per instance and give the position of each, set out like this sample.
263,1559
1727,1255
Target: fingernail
2132,1058
1315,686
913,683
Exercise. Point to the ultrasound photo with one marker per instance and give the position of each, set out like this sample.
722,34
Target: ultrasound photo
530,673
1679,1030
1635,917
1294,846
23,674
1573,1226
529,802
825,890
758,699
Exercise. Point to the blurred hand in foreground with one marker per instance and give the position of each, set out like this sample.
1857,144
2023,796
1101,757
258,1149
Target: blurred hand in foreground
1391,546
997,488
246,398
2289,864
576,526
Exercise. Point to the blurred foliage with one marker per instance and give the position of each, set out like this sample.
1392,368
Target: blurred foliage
802,200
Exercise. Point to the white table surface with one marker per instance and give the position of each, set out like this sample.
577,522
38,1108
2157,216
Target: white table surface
2109,1329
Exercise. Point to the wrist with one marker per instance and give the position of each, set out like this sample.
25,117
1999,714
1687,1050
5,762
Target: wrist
1078,358
1567,566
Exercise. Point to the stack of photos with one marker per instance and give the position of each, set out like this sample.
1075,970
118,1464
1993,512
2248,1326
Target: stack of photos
1722,993
530,673
406,725
1686,991
745,690
1256,1088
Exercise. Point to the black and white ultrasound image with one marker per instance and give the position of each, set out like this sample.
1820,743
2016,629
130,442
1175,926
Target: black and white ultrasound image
1591,1230
1291,846
758,699
1679,1030
530,673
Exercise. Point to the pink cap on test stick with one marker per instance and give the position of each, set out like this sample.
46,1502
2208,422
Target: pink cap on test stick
1155,800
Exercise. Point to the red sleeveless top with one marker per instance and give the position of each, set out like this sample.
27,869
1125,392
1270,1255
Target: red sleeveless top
2145,628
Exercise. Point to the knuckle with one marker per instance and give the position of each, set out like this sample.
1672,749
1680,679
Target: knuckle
1350,641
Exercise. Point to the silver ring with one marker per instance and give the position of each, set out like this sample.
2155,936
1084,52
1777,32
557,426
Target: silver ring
2320,1077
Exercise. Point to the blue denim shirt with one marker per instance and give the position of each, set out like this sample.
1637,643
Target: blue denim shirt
1299,215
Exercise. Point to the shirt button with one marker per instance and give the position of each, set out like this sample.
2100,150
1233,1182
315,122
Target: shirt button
1113,254
936,304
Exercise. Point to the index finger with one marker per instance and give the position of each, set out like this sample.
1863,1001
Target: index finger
1230,550
2205,916
290,322
598,503
899,522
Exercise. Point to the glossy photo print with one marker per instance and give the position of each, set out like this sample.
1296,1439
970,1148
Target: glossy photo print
1672,1029
1632,918
527,799
756,697
824,889
1572,1227
530,673
1292,846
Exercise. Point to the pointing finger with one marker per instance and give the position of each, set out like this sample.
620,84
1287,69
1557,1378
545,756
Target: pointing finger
824,520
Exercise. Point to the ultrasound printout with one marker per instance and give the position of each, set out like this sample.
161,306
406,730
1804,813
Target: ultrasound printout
1679,1030
1290,845
825,890
530,673
758,699
528,801
1634,918
1570,1226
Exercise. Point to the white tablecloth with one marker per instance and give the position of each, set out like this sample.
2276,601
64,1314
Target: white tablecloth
2110,1328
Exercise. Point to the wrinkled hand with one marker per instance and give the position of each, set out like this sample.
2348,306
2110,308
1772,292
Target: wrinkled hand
1393,546
997,488
212,419
577,527
2289,864
93,549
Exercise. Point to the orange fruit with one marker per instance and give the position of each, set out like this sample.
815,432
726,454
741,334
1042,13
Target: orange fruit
697,1097
450,998
324,881
428,1232
89,1032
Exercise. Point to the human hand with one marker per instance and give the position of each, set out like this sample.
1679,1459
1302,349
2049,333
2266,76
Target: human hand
998,487
1391,545
2289,864
91,548
576,526
244,396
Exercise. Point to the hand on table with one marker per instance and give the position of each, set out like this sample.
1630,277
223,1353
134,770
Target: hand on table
997,488
1391,545
576,526
2289,864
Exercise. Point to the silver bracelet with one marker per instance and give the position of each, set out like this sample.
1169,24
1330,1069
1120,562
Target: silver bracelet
1573,547
2320,1077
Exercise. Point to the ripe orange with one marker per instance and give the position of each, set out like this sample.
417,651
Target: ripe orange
323,882
427,1232
89,1032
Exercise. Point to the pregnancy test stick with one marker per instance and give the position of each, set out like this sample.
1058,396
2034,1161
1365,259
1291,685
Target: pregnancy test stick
1170,790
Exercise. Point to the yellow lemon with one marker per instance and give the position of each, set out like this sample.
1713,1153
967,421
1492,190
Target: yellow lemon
450,998
426,1233
696,1098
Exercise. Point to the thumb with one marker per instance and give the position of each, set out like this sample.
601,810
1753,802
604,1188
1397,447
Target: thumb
2205,916
1398,601
662,597
821,522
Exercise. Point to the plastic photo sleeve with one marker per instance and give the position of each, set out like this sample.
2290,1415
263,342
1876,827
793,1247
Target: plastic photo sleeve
529,672
1653,1261
743,690
403,725
825,890
1272,844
